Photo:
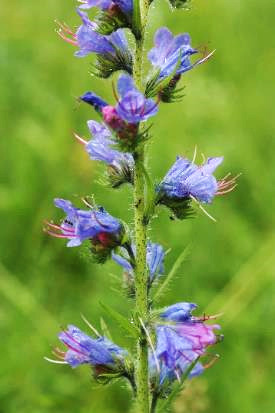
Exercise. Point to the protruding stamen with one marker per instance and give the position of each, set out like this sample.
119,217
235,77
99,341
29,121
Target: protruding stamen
205,317
64,27
212,361
84,200
150,343
55,361
195,154
63,36
201,207
81,140
225,185
56,235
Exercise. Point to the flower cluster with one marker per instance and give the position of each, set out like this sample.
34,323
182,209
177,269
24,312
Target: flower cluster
132,108
181,339
172,341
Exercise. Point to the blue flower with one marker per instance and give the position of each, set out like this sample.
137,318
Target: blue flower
132,106
179,312
114,47
125,5
180,343
100,147
89,41
174,354
82,349
101,4
94,100
154,257
186,180
172,53
79,225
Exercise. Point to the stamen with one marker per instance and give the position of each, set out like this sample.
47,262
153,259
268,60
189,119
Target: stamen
226,191
64,37
151,344
195,154
177,375
84,200
65,28
58,228
205,58
211,362
56,235
204,210
55,361
59,353
81,140
205,317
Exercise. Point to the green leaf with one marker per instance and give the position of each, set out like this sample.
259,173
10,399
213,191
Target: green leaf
163,286
150,196
122,321
105,330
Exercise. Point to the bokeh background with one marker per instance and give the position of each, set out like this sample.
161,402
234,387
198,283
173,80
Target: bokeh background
228,110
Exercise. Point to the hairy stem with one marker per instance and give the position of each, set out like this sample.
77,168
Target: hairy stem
141,288
141,274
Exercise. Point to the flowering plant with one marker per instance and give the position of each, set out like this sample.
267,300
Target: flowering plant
171,343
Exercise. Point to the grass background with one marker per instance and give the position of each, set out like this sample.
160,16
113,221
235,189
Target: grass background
229,110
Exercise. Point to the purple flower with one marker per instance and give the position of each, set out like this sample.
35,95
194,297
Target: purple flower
172,53
100,148
79,225
89,40
186,180
101,4
125,5
179,312
154,257
94,100
181,343
82,349
132,106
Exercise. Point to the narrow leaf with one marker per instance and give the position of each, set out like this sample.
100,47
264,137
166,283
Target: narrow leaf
105,330
150,196
163,286
137,25
122,321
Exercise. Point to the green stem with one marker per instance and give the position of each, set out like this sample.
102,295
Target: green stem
141,288
154,403
141,274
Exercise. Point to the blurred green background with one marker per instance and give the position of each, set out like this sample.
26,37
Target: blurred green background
228,109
